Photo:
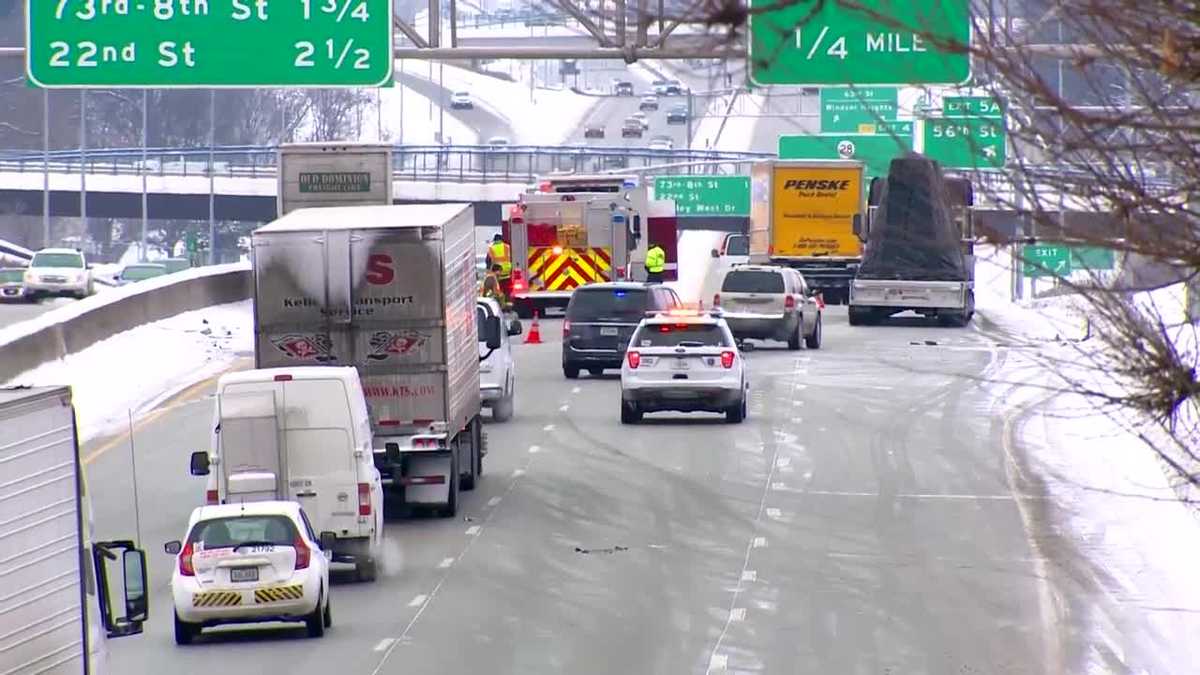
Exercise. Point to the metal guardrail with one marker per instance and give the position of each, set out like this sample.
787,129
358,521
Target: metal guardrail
449,163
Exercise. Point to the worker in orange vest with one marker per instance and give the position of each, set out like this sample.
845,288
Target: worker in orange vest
499,253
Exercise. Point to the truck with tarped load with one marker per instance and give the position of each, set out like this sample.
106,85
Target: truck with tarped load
62,594
802,215
389,290
919,255
570,231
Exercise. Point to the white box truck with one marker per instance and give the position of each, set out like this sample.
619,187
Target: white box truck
389,290
58,588
302,435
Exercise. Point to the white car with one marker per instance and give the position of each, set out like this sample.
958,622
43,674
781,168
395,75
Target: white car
249,563
642,120
497,370
684,361
662,143
58,271
461,100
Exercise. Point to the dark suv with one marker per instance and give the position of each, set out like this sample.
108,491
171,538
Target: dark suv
601,319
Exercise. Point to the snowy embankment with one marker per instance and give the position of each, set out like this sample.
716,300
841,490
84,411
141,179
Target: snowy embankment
133,371
1114,512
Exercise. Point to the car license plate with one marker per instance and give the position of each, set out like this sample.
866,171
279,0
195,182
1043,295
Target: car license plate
610,331
243,574
681,364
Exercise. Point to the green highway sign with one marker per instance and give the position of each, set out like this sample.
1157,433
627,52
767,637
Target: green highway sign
1092,258
209,43
855,108
972,106
705,195
872,42
875,150
966,142
1046,260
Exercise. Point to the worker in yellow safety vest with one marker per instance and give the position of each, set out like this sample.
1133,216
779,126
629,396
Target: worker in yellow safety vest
491,287
499,253
656,262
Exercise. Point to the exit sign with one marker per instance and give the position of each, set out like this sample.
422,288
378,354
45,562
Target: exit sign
868,42
971,106
966,143
876,151
209,43
1046,260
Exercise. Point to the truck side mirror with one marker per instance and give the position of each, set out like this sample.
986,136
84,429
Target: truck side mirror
491,332
200,463
132,577
328,540
137,605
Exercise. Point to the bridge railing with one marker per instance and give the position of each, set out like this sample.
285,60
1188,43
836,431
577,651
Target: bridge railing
442,163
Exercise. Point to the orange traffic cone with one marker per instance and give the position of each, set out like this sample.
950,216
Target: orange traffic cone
534,337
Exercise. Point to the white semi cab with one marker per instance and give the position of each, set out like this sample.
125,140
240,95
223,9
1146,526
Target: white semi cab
389,290
299,434
497,369
60,591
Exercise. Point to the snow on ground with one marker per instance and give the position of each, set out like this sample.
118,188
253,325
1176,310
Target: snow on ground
139,368
736,133
537,117
77,308
1130,543
407,117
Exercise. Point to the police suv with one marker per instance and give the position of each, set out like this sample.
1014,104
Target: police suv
684,361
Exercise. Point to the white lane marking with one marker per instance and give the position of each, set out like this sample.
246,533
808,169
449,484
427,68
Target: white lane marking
494,501
534,449
418,601
564,408
750,575
910,496
548,427
778,485
383,644
738,614
517,473
575,390
718,662
759,542
472,530
774,514
446,562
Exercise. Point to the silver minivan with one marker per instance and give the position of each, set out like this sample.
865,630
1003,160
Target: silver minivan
765,302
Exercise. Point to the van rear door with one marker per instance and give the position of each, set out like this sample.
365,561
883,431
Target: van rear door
252,467
317,433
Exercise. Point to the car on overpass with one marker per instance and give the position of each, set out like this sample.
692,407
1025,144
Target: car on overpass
623,88
662,143
461,100
59,271
643,118
12,284
135,272
648,102
632,128
683,361
678,114
594,130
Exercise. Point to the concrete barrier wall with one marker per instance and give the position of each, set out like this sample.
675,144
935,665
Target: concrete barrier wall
82,324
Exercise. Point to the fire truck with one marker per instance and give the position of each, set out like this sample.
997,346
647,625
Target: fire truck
569,231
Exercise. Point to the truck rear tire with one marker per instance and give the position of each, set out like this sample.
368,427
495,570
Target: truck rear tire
467,479
862,316
366,569
451,508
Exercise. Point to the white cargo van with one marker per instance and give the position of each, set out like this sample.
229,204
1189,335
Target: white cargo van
300,434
